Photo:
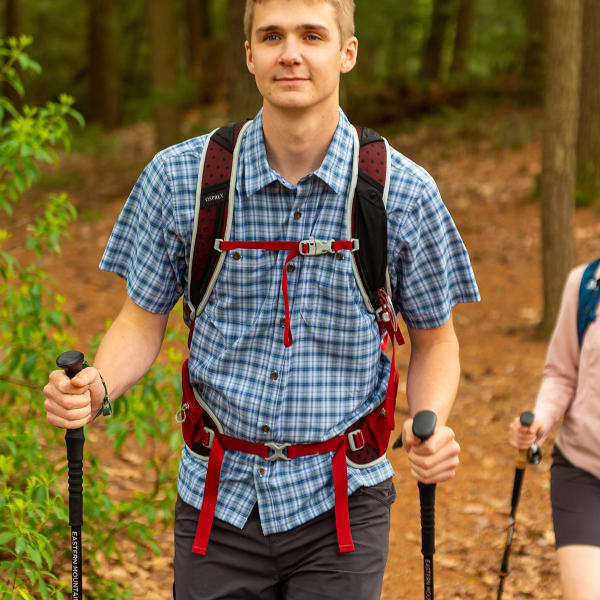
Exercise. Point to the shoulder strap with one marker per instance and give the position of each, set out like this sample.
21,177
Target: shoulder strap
367,217
589,295
214,211
368,220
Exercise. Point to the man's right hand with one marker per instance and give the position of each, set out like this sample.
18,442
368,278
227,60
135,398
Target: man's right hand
522,437
73,403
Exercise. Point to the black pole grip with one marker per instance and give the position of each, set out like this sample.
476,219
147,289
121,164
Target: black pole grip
427,498
526,418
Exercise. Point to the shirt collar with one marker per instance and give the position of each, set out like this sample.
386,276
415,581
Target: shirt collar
333,170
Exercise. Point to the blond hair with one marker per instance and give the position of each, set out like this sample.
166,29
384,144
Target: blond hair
343,8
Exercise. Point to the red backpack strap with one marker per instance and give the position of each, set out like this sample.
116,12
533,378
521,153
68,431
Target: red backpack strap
213,195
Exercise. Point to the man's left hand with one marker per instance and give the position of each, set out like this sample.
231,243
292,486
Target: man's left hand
435,460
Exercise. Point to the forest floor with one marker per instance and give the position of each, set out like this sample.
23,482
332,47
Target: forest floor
486,169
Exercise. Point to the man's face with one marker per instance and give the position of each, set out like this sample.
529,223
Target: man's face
295,53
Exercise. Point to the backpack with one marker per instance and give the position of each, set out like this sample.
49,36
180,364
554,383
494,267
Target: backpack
365,442
213,218
589,295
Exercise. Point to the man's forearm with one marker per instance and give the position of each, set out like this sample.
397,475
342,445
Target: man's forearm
434,371
129,347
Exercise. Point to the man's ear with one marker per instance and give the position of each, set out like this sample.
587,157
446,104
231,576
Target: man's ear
349,53
249,58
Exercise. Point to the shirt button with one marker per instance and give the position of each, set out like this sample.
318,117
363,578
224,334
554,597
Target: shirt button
297,215
237,256
266,428
282,321
274,375
339,256
291,268
261,471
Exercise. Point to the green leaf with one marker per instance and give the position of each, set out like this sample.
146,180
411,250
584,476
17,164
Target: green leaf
35,556
6,536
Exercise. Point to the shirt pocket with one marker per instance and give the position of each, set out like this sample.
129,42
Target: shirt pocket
242,291
337,326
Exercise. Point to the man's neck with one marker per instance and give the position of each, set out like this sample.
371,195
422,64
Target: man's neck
297,142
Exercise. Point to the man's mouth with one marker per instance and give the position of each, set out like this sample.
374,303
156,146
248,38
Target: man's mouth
291,79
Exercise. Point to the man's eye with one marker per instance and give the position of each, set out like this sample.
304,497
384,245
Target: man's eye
271,37
313,37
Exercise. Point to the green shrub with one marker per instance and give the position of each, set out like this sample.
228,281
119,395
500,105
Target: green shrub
34,329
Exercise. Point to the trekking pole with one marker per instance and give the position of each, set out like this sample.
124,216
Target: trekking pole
72,362
423,428
531,456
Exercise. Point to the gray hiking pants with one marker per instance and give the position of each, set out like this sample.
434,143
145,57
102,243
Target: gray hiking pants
301,564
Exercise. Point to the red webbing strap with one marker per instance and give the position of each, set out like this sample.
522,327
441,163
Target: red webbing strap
293,249
388,321
337,445
209,500
340,488
221,442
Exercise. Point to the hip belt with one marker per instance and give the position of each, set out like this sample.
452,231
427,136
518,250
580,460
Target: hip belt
363,444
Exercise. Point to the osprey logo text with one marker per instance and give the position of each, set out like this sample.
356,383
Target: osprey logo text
213,198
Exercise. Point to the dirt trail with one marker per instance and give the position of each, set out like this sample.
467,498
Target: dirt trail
488,190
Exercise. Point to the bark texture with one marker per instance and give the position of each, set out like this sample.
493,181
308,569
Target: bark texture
434,46
561,112
588,145
534,59
242,95
103,83
161,21
462,40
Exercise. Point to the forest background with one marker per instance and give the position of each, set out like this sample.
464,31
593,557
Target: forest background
441,76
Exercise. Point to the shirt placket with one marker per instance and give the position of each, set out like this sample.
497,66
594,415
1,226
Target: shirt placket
296,228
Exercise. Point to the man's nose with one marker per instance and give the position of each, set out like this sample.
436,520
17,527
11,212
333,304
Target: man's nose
290,52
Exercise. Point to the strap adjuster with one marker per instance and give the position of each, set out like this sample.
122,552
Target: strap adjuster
277,451
211,437
312,247
217,244
356,440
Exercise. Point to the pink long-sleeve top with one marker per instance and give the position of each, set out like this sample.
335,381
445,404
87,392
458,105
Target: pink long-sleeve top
570,386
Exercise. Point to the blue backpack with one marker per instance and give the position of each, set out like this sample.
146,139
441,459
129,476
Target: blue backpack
589,295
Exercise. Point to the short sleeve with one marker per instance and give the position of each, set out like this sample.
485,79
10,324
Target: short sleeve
144,247
430,271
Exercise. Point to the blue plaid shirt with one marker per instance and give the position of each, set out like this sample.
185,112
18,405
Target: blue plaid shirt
335,372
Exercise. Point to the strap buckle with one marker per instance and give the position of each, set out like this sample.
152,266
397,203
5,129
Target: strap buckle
354,437
211,437
386,312
312,247
277,451
217,244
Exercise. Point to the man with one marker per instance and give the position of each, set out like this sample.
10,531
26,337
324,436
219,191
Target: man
274,534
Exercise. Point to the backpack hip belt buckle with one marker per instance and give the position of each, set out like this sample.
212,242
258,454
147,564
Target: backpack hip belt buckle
278,451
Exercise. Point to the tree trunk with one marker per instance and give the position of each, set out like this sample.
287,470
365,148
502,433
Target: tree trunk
243,97
12,24
561,111
434,46
103,82
462,40
588,145
199,32
532,75
166,113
